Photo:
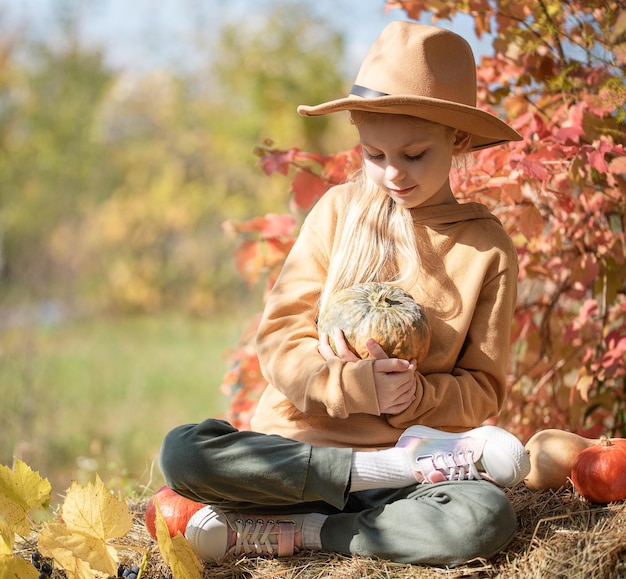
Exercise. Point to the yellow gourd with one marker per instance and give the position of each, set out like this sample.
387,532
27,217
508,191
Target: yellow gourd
552,454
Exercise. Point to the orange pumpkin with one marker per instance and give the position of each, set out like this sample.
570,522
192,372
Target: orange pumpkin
176,510
599,472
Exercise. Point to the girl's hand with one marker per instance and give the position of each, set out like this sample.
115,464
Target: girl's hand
394,378
343,352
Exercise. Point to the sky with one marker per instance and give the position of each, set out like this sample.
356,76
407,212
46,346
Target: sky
141,35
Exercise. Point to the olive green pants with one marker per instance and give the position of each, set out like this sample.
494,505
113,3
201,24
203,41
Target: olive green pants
443,524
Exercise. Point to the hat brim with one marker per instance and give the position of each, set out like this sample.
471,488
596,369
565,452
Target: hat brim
486,129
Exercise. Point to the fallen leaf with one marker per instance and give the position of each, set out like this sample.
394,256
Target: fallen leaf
7,538
21,490
176,551
95,510
67,547
90,516
16,568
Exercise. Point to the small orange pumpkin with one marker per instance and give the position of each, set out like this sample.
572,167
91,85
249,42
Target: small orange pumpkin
176,510
599,472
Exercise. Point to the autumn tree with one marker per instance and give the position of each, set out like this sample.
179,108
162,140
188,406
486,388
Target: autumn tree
557,71
50,161
114,184
265,68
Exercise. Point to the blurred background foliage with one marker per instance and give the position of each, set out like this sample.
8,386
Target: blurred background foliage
118,289
114,186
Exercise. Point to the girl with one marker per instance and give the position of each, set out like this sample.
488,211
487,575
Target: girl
378,457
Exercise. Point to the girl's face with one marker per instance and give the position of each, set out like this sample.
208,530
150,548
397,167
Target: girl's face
410,159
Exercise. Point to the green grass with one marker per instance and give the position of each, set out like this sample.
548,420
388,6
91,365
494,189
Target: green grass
97,396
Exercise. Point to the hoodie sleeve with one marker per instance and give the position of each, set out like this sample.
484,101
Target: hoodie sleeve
287,339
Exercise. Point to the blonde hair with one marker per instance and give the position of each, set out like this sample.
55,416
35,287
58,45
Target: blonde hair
378,238
377,244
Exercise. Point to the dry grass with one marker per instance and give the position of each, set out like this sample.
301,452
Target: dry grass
560,536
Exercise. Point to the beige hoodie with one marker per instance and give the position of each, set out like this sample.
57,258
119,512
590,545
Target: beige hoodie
469,283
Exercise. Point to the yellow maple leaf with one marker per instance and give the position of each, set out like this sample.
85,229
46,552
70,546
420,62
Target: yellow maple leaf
95,511
68,547
12,567
7,538
90,516
75,568
16,568
176,551
21,490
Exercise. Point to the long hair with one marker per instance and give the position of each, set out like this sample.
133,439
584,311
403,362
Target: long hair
377,243
378,237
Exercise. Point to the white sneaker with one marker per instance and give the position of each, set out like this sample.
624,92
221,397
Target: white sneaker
487,452
216,535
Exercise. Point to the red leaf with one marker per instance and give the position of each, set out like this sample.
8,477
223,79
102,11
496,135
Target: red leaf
278,161
585,270
249,261
307,188
272,225
614,359
278,226
572,128
618,165
534,169
596,160
339,167
530,222
589,309
413,8
537,127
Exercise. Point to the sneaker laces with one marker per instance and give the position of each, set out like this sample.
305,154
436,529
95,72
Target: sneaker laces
254,537
449,466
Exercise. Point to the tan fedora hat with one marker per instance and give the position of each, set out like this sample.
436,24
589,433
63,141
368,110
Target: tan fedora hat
426,72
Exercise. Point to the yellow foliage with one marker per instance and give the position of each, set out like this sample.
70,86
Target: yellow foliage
78,554
14,568
21,490
91,515
94,510
176,551
6,539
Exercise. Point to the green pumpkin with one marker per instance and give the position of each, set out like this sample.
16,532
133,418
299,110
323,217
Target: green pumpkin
381,311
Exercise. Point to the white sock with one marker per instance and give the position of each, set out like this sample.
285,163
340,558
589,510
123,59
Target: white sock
390,468
311,528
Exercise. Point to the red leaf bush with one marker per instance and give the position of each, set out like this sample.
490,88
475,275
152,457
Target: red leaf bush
561,194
